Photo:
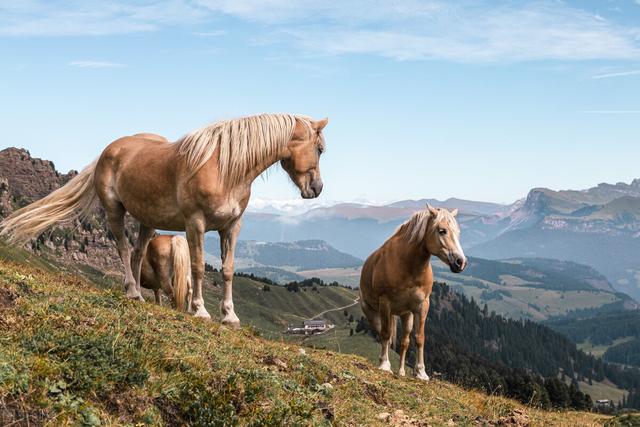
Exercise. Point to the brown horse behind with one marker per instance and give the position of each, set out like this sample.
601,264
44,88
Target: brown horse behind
166,266
397,280
199,183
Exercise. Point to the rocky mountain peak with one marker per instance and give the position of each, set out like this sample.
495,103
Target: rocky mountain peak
25,179
29,178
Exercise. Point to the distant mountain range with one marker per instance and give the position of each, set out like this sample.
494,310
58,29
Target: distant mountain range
599,227
298,255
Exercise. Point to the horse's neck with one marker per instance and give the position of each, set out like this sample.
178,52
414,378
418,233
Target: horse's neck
243,186
260,169
415,256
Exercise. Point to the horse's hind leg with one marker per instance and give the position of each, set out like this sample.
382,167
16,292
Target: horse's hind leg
115,217
407,326
145,234
227,248
156,293
386,325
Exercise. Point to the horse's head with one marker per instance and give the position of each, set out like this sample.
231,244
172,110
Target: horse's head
302,160
443,238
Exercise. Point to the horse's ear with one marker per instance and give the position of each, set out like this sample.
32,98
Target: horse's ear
454,212
320,124
432,210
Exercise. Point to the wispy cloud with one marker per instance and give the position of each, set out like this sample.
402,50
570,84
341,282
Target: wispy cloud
616,74
611,111
95,64
479,31
505,35
215,33
93,17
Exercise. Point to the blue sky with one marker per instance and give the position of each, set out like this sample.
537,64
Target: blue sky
474,99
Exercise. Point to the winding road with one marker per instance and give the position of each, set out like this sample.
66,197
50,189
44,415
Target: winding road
355,301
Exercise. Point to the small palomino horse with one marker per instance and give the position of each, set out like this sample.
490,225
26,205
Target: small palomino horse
396,280
199,183
166,266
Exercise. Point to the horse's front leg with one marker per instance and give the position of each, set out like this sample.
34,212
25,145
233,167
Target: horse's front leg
228,239
387,324
407,326
195,237
420,316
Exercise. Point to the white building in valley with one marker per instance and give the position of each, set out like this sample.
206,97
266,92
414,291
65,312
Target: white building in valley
311,327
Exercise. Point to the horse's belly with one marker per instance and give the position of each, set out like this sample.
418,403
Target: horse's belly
159,218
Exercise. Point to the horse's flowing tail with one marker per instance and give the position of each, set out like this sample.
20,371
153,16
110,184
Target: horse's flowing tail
69,202
181,281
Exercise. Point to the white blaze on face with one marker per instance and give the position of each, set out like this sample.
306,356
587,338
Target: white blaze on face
458,247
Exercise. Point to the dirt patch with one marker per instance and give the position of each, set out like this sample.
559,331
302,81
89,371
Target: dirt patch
361,366
517,418
169,412
16,413
375,393
7,298
274,361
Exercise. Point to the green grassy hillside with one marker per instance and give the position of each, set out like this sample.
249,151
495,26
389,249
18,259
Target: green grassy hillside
271,310
75,354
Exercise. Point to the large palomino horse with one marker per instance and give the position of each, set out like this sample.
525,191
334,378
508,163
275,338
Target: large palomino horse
397,279
166,266
199,183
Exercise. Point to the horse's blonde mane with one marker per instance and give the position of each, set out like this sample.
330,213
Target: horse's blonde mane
415,228
245,143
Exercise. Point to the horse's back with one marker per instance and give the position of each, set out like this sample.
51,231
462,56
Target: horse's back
159,248
151,136
128,149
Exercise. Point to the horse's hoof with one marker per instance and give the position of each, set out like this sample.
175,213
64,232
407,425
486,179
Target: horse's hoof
401,373
135,297
202,314
233,323
385,366
422,376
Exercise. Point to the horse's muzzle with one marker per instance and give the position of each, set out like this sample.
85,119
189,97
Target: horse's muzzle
313,191
458,264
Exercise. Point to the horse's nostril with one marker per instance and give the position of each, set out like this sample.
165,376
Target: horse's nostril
317,188
459,262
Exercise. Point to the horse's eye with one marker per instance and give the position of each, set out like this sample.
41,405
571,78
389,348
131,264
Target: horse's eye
442,231
320,150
